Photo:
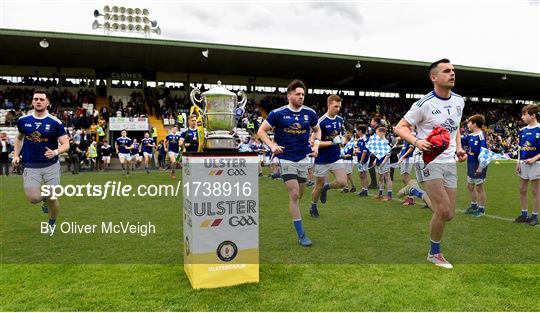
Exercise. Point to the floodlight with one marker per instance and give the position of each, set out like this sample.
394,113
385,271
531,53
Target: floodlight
205,53
358,65
44,43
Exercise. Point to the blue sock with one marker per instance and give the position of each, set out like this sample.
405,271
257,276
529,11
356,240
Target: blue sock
381,192
364,189
474,205
435,247
276,175
313,205
481,209
417,193
299,228
534,216
525,213
326,186
52,221
390,193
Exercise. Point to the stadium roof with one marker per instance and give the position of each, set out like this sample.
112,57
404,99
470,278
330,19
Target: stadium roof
319,70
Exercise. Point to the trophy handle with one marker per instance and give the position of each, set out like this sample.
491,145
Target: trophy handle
242,103
193,96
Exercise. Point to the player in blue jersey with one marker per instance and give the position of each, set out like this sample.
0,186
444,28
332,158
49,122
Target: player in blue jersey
328,160
172,143
528,167
134,152
441,107
189,136
362,159
147,147
292,124
123,146
405,167
37,145
476,175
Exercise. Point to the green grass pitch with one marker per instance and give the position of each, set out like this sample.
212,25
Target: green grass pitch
367,255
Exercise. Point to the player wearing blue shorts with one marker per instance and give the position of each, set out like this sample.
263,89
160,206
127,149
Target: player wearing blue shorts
476,175
37,144
528,167
328,160
291,124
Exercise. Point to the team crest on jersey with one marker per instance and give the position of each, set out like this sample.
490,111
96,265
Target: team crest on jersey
537,135
47,127
459,109
306,118
449,125
426,172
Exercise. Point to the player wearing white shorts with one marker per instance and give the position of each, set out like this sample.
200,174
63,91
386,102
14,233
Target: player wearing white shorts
292,124
123,147
441,107
37,143
528,167
172,146
147,148
106,152
330,131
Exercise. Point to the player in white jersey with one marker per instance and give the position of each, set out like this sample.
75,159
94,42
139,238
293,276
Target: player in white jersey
441,107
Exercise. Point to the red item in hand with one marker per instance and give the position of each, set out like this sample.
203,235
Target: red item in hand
440,139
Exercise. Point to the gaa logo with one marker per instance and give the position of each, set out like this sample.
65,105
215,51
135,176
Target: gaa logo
242,221
236,172
227,251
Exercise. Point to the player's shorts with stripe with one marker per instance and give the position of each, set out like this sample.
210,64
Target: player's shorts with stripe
321,170
382,169
311,162
36,177
406,166
106,158
172,154
529,171
148,154
445,171
362,167
294,169
125,156
475,181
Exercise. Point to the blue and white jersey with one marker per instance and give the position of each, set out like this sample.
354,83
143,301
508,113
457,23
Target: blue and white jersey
347,150
172,140
135,149
473,143
361,145
146,145
123,144
330,128
291,130
404,150
433,110
190,136
245,147
529,142
39,133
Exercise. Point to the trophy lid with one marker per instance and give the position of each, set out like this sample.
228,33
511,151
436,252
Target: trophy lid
218,91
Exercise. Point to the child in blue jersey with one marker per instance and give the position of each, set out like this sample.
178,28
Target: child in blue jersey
528,167
173,141
123,146
476,175
347,157
37,144
382,168
291,125
362,158
331,128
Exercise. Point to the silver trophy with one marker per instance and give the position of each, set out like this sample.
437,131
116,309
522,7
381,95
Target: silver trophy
220,110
